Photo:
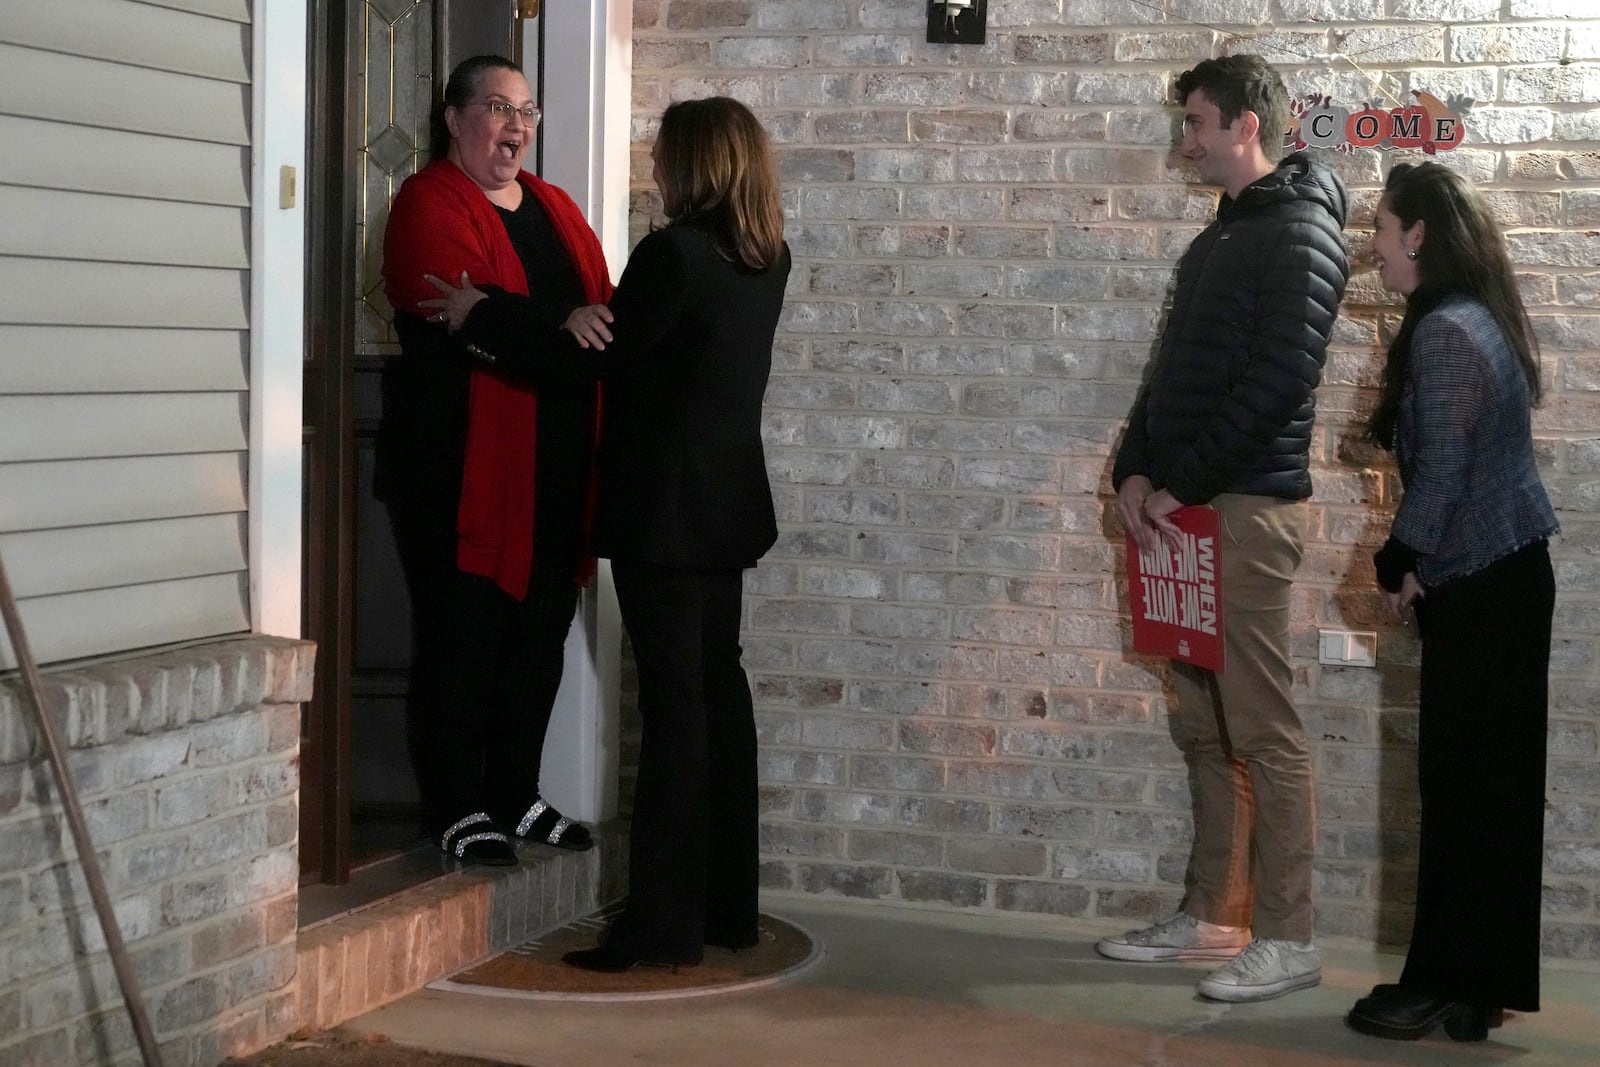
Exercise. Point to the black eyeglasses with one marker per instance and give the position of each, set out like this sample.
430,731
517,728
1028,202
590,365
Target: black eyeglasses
503,110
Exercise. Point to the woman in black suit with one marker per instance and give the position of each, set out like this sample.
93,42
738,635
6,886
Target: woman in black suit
684,349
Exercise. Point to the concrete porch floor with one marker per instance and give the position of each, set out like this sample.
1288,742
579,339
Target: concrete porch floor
901,986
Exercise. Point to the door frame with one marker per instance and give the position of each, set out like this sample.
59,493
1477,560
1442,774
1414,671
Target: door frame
328,443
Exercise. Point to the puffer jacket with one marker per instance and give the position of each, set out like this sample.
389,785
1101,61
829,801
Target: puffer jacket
1230,400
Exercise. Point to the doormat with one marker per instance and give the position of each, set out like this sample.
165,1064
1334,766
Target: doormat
331,1048
534,971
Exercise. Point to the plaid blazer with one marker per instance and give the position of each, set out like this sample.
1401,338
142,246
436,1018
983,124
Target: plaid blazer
1465,447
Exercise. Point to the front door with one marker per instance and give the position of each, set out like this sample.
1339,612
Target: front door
375,66
375,70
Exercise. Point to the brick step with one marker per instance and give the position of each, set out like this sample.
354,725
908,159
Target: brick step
363,959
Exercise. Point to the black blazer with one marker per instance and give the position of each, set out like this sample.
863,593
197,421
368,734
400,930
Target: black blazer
683,476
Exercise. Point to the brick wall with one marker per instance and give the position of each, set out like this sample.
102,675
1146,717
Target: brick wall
187,766
983,237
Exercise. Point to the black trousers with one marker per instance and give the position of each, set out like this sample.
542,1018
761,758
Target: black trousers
692,876
1481,768
484,673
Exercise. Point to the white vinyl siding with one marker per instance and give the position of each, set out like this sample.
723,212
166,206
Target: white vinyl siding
124,320
121,229
147,165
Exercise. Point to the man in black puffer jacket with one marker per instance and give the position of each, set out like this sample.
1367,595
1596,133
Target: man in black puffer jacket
1226,420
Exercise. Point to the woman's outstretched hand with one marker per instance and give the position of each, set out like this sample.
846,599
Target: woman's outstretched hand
456,302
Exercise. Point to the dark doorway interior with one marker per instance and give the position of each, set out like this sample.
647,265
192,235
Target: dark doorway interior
374,68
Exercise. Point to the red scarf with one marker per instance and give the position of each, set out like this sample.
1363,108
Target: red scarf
441,223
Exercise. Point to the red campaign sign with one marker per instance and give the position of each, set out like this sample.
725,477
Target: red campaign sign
1176,593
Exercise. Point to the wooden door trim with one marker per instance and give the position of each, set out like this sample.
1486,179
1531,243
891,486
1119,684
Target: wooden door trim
330,438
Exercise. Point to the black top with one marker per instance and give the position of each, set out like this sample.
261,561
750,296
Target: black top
683,477
422,441
561,456
1230,401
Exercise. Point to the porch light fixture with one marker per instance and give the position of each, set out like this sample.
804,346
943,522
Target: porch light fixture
957,21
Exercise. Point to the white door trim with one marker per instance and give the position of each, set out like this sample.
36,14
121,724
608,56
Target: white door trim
277,313
588,104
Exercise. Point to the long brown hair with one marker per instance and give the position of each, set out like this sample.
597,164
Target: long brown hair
718,173
1461,252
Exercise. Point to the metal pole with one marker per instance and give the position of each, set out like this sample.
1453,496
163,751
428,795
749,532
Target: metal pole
80,831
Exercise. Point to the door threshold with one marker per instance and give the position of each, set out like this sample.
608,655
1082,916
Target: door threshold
371,882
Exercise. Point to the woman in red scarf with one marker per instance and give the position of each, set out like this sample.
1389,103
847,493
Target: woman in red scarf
488,482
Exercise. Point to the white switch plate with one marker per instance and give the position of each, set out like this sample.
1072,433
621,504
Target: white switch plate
1347,648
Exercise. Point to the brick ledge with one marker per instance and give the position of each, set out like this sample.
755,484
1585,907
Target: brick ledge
353,963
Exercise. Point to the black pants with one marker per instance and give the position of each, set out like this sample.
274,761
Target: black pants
484,672
692,876
1481,767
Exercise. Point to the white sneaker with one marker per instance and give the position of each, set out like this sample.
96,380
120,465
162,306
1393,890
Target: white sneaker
1267,968
1182,937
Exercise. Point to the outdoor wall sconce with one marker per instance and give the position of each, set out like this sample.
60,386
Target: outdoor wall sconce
957,21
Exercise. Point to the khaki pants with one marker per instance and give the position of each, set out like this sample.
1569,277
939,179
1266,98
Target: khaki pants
1250,769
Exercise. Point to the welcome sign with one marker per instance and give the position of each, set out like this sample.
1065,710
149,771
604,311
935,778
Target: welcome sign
1430,124
1176,595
